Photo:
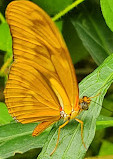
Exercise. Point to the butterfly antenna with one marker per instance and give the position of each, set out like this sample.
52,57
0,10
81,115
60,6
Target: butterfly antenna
102,106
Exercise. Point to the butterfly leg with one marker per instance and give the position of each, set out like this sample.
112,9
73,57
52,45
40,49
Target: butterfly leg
60,127
81,122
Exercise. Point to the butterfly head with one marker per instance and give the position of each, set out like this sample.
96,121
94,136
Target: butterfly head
84,103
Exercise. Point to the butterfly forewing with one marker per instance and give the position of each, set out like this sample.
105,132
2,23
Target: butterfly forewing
41,78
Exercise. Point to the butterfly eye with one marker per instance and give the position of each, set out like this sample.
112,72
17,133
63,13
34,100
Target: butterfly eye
84,106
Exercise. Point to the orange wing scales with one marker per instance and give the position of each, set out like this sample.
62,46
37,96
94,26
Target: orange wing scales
42,77
40,127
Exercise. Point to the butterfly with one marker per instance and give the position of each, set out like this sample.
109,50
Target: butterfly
42,85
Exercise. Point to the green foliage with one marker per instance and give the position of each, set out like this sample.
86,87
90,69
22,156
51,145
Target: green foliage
70,138
74,43
95,35
5,38
5,118
53,7
87,36
17,138
106,148
107,10
104,121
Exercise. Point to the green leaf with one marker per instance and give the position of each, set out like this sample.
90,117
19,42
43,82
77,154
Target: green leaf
104,122
95,145
95,35
5,118
70,143
106,148
107,108
107,10
52,7
103,157
74,44
17,138
59,25
2,19
5,38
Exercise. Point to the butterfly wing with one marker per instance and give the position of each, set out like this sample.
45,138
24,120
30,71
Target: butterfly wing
42,77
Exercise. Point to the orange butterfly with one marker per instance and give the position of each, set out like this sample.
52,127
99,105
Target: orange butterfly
42,85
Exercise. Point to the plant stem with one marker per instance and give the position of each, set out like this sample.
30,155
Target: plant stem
6,64
66,10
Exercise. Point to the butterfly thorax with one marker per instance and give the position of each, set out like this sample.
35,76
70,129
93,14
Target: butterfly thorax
82,105
70,116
